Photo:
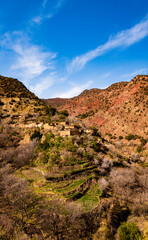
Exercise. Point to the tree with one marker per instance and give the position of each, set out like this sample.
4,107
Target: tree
20,198
129,231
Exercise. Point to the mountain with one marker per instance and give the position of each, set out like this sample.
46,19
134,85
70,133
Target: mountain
119,109
18,104
20,110
63,180
10,87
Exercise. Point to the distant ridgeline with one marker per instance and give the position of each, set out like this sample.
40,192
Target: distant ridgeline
120,109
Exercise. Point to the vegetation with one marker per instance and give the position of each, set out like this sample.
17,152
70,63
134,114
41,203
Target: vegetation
129,231
64,112
87,114
131,137
1,103
77,187
11,87
36,135
120,137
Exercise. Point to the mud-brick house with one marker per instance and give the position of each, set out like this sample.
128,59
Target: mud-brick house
62,124
72,126
48,127
70,132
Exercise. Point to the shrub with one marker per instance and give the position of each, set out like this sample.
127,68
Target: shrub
131,136
50,111
120,137
143,141
129,231
139,148
117,214
1,103
36,135
19,156
64,112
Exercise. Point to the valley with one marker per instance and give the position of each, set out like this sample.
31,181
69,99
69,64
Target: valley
74,168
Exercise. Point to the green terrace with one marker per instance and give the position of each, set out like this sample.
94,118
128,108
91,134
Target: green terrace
91,198
74,185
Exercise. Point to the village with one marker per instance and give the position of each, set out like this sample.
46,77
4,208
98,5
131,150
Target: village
62,129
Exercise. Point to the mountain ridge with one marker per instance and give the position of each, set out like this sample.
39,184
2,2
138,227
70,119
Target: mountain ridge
121,108
57,172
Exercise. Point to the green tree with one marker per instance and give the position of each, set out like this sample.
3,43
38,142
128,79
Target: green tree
129,231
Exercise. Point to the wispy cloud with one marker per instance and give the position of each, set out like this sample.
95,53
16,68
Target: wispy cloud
75,90
37,19
106,75
44,84
133,74
124,38
30,60
46,13
44,3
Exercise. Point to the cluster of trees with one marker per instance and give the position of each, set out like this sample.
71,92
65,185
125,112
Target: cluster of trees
8,136
67,151
24,215
131,186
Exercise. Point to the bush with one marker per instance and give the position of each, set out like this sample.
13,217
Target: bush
139,148
1,103
131,136
50,111
36,135
120,137
64,112
143,141
129,231
19,156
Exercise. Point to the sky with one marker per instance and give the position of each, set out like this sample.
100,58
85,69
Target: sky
58,48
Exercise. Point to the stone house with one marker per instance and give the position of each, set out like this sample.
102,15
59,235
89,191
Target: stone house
70,132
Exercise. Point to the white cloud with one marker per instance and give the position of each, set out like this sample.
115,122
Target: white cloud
44,3
30,60
123,39
37,20
47,14
75,90
137,72
59,4
44,84
106,75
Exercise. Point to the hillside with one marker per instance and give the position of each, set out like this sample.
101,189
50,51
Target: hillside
15,98
120,109
10,87
19,110
60,179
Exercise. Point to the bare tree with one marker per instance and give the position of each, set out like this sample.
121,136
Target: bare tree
6,227
19,156
107,164
132,187
19,197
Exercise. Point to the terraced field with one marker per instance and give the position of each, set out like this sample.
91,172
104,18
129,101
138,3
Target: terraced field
80,189
69,169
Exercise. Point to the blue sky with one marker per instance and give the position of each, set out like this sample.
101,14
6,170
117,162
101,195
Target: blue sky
58,48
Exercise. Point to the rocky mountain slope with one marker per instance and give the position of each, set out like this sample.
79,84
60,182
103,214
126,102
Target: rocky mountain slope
17,102
19,109
68,181
120,109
